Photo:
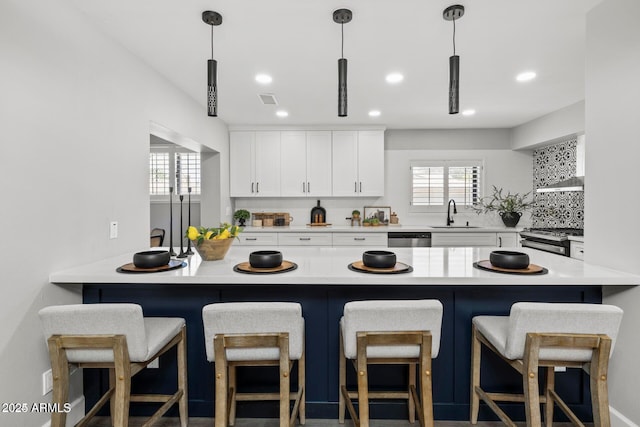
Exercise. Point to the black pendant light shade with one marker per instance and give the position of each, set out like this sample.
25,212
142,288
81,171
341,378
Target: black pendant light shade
212,88
342,87
452,13
454,78
213,19
342,16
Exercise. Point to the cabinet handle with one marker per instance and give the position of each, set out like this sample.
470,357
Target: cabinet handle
308,188
257,187
361,186
252,187
355,187
305,238
359,238
499,242
303,190
250,238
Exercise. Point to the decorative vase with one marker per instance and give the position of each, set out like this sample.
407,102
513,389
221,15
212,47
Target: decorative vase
510,219
213,249
241,222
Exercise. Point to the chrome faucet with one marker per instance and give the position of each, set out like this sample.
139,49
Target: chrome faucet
455,211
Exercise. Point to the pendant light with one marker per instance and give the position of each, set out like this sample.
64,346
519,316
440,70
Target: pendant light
342,16
212,18
451,14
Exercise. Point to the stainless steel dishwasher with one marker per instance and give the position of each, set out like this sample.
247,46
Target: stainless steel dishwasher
409,239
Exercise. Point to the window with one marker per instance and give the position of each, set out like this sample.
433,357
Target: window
434,183
165,163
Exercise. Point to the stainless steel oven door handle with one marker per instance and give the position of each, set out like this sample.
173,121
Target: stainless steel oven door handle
560,250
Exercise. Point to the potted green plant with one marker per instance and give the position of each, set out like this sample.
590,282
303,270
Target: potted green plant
241,215
509,206
355,213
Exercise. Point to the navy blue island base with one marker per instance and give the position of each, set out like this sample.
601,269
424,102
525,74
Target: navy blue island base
322,307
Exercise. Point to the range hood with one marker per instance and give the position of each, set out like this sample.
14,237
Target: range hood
572,184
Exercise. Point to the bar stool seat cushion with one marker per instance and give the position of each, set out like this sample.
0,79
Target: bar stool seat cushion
508,333
145,336
254,318
391,315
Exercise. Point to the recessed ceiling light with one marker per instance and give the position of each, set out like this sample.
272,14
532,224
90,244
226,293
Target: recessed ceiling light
374,113
281,113
468,112
526,76
394,78
264,79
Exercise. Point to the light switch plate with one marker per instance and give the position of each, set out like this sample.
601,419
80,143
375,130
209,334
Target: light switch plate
113,230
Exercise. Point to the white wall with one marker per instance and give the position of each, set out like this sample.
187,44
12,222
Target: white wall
75,114
503,167
549,128
611,189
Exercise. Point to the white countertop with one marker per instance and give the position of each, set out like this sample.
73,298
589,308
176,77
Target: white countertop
328,266
376,229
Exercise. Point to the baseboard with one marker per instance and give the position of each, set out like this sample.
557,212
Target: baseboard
619,420
75,414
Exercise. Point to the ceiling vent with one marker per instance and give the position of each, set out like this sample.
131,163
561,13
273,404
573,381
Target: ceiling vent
268,99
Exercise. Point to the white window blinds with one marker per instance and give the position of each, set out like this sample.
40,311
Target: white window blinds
434,183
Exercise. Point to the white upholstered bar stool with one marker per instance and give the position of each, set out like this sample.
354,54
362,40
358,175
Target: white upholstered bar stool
538,335
255,334
119,338
389,332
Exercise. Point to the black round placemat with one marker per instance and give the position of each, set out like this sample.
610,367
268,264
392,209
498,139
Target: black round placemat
174,264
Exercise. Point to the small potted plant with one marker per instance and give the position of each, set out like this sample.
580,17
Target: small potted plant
509,206
366,222
241,215
355,214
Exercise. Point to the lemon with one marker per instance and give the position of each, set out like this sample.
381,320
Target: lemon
192,233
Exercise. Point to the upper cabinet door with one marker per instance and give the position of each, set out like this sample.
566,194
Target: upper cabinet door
241,164
345,163
370,163
293,163
319,164
267,164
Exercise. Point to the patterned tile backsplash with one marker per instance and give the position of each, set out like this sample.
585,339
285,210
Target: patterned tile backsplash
556,209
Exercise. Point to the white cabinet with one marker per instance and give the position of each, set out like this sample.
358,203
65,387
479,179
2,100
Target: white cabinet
507,240
440,240
576,249
304,239
254,164
358,163
305,159
360,239
258,239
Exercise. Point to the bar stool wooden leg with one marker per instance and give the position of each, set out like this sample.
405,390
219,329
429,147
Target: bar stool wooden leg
301,382
232,390
530,381
426,383
220,366
363,382
549,388
412,385
122,393
342,381
60,374
285,369
183,404
475,374
599,389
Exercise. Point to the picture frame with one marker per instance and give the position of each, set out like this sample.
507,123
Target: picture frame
382,213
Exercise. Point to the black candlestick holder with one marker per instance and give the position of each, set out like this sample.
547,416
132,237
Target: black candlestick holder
171,251
189,251
181,254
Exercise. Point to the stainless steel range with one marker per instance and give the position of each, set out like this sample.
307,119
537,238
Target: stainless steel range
555,240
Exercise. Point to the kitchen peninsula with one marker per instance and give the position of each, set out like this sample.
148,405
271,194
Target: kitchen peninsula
322,283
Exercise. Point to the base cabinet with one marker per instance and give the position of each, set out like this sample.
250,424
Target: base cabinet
576,250
443,240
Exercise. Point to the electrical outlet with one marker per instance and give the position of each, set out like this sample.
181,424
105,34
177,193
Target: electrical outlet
47,382
155,364
113,230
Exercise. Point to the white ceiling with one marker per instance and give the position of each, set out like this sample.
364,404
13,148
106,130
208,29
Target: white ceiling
297,42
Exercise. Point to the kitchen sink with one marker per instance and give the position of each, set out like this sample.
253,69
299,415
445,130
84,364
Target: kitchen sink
454,226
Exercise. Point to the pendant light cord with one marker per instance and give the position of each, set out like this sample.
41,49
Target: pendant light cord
342,45
454,37
211,41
